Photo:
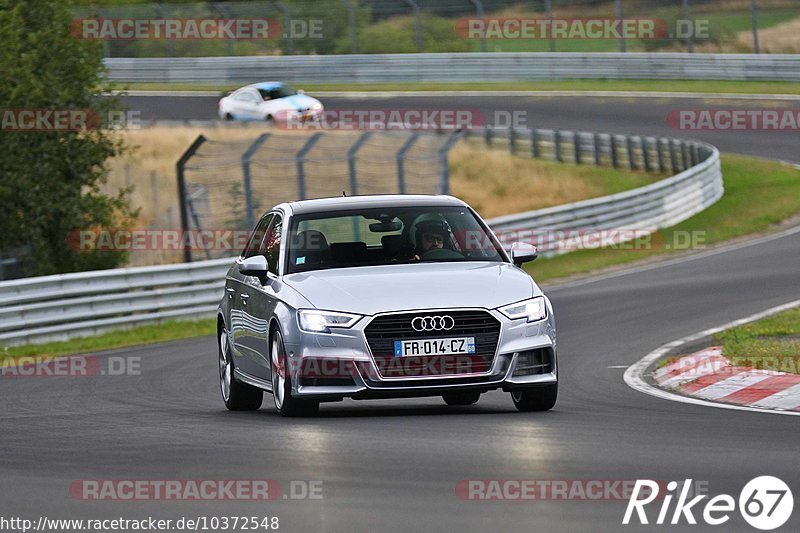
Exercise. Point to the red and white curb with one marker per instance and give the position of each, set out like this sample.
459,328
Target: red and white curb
708,379
710,376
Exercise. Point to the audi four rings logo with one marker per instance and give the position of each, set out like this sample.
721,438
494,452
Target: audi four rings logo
433,323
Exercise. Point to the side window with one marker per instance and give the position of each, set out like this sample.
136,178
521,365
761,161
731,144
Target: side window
254,243
271,247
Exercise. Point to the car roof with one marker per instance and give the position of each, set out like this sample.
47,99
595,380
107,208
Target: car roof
344,203
266,85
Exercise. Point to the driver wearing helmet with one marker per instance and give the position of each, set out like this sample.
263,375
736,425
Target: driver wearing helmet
430,235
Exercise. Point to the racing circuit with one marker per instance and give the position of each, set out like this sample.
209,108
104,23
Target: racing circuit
394,465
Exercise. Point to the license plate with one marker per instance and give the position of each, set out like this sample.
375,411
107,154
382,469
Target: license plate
422,347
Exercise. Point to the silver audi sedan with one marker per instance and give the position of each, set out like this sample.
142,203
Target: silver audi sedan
393,296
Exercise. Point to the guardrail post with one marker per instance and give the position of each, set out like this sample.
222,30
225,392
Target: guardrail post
596,148
557,145
512,140
576,143
248,187
645,154
695,154
673,158
684,156
300,161
401,154
535,148
612,142
660,155
479,11
444,169
182,194
487,135
351,161
629,148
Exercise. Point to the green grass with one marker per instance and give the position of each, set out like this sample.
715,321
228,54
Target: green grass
769,344
758,194
694,86
149,334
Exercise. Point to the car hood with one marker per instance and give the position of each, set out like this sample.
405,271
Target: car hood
296,101
371,290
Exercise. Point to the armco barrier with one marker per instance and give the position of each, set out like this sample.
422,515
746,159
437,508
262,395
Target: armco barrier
455,67
62,306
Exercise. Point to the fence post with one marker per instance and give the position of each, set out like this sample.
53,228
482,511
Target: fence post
612,140
548,14
479,11
754,23
401,154
596,148
660,154
576,142
417,23
248,186
487,136
689,43
629,148
299,159
180,166
168,49
351,160
535,148
684,156
673,158
287,26
695,153
351,22
618,9
225,12
645,154
557,145
444,169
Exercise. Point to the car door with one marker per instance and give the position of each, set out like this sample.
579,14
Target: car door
243,319
246,105
264,298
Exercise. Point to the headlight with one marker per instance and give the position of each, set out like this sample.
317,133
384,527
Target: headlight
533,309
314,321
316,107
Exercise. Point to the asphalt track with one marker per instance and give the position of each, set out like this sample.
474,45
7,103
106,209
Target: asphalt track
394,465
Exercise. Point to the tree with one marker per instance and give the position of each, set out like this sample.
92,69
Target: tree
50,181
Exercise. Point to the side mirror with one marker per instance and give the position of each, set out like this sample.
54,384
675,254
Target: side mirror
300,91
256,266
523,253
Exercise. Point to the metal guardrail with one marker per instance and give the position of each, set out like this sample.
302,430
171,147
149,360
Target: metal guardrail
456,67
67,305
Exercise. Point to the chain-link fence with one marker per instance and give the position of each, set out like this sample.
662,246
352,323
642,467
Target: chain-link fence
228,185
408,26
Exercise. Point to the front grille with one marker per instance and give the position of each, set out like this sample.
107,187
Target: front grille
384,330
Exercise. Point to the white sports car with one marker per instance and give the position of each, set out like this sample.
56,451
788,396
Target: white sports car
269,101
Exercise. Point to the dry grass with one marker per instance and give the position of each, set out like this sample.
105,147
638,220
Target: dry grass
781,39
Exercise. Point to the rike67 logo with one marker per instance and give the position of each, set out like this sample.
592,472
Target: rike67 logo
765,503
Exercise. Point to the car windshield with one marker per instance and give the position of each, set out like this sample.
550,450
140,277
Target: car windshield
388,236
278,91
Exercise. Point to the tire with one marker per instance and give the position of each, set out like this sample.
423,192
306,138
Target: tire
461,398
285,403
237,396
535,398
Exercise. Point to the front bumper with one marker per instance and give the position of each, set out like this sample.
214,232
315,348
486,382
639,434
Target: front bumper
337,365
